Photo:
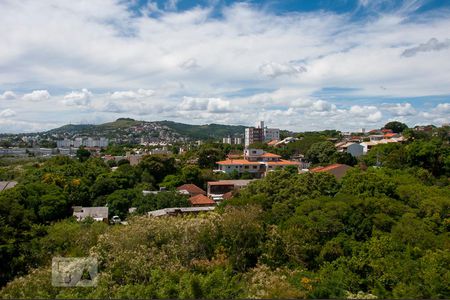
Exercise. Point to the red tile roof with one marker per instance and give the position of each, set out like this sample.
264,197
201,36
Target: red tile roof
201,200
192,189
327,168
389,135
238,162
338,170
283,162
268,154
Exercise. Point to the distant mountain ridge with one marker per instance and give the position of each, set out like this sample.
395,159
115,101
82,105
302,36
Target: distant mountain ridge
127,126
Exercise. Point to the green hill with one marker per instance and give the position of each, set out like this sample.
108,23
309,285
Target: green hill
125,126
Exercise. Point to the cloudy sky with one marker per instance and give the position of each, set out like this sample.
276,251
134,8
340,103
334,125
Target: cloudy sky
297,64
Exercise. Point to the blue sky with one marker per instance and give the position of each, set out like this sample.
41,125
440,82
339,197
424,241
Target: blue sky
299,65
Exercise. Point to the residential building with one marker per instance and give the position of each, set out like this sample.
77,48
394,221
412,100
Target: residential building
376,137
201,201
66,143
338,170
271,134
260,134
97,213
253,135
232,140
226,140
354,149
217,189
191,190
78,142
256,162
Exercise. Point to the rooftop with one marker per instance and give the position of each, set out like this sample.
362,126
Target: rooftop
201,200
239,182
4,185
191,189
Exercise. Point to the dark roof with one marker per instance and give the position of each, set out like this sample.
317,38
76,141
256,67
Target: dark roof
192,189
338,170
201,200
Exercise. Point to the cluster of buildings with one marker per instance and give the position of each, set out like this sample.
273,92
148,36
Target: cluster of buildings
232,141
254,161
260,134
78,142
359,145
137,155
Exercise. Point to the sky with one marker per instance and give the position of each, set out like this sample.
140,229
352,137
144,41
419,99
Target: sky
296,64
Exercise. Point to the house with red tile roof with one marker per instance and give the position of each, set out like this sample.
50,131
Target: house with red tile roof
338,170
255,161
201,200
191,189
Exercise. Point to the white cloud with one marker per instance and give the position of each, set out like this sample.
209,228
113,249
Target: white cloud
368,112
8,95
212,105
140,93
405,109
274,69
7,113
190,103
321,105
38,95
375,117
216,105
252,63
81,98
443,108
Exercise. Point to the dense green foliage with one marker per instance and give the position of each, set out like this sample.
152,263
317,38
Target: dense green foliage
396,126
378,232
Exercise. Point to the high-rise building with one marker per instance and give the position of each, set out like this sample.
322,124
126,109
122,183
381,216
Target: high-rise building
253,135
260,134
226,140
78,142
271,134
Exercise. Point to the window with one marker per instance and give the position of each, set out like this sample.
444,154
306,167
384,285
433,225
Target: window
255,167
246,167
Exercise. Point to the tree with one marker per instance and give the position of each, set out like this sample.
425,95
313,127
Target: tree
120,201
207,157
345,158
396,126
158,166
321,152
83,154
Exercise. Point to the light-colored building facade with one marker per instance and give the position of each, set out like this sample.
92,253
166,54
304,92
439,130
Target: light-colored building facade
271,134
256,162
78,142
